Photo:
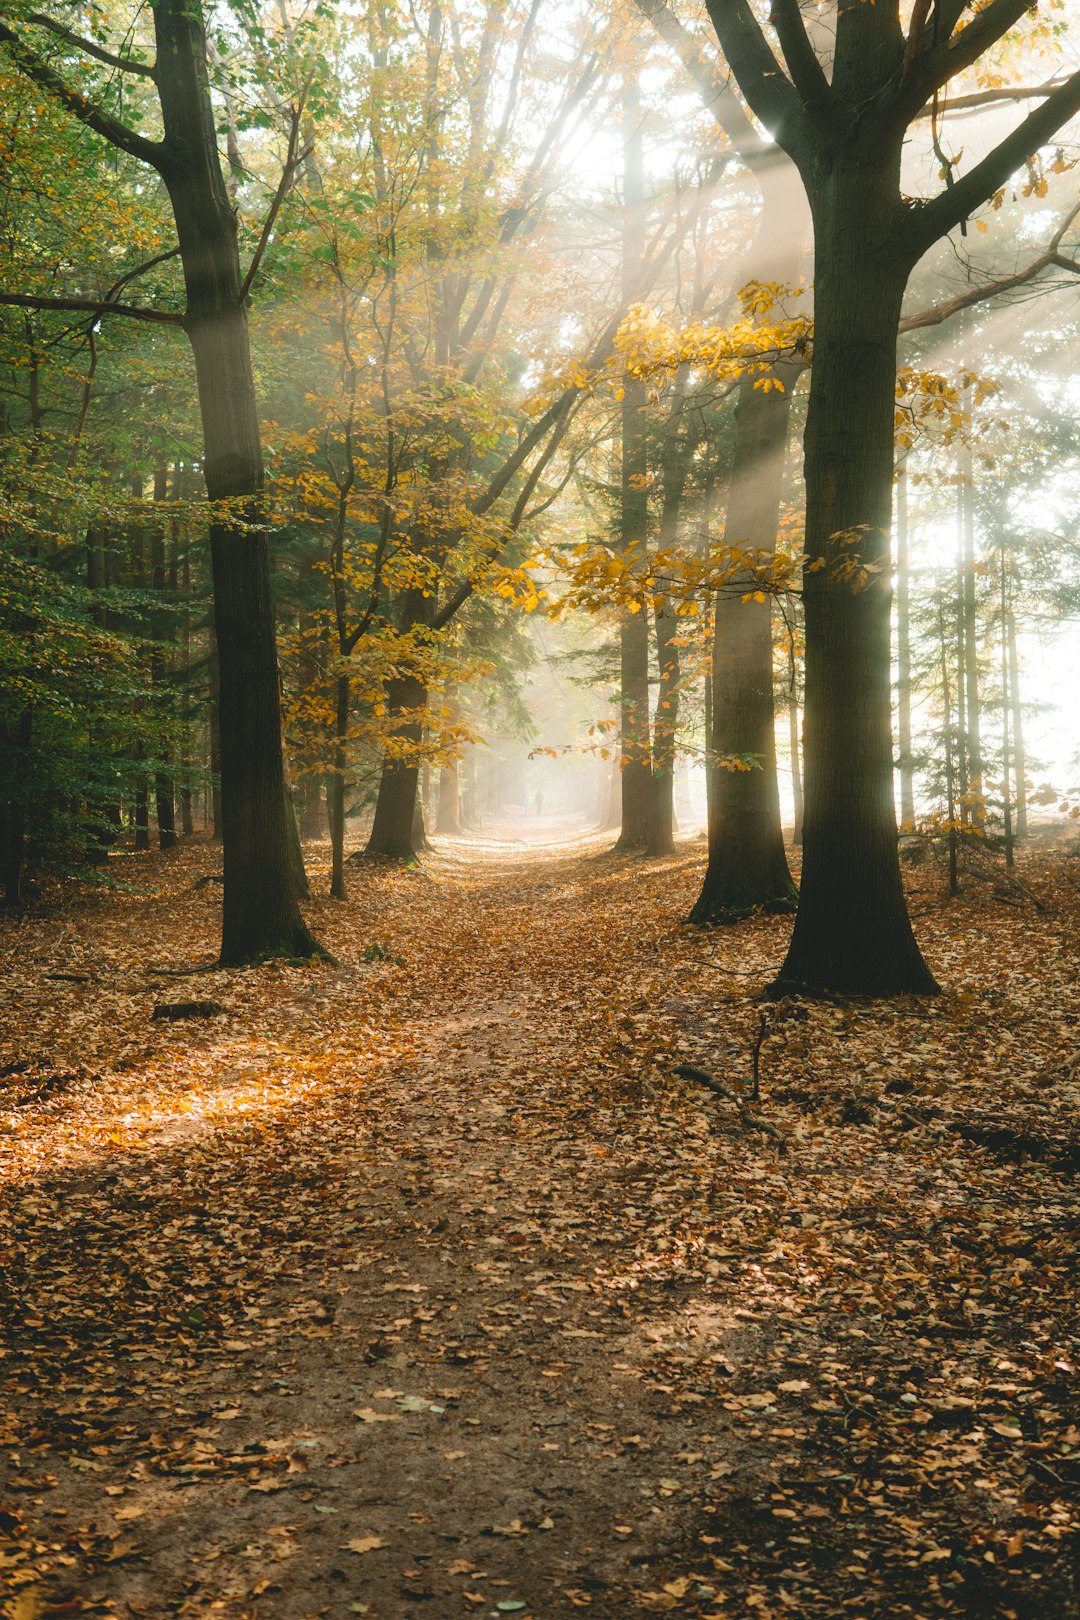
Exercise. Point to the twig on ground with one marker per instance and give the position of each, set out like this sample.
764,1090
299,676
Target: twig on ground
688,1071
735,973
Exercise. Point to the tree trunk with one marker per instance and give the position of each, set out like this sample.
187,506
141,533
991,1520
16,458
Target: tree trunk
747,867
393,829
971,642
14,806
795,742
448,813
261,916
1019,757
1006,747
163,788
950,772
337,789
142,815
852,933
903,652
661,839
636,772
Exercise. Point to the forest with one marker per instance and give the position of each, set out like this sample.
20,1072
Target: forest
539,865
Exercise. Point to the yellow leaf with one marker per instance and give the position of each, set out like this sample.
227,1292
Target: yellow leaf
363,1544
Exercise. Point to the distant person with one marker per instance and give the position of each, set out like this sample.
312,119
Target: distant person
539,801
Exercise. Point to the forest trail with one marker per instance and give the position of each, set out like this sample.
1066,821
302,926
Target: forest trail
421,1285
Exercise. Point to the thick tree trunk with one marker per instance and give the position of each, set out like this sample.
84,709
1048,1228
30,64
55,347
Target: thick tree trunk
393,832
852,934
261,917
747,867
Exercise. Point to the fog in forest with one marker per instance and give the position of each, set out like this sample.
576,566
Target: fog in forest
539,808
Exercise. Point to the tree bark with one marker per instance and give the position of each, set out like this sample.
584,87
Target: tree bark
163,787
852,933
13,819
636,767
261,917
1018,754
448,812
747,868
337,789
970,673
393,831
661,837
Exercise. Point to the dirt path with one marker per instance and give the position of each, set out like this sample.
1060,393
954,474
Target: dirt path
423,1287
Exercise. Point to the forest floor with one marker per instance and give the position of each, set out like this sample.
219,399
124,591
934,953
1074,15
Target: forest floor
421,1284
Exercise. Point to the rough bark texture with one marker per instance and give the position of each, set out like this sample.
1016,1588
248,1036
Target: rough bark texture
261,917
393,831
852,933
747,867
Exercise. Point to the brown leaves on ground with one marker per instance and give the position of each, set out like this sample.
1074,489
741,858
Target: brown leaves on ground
427,1285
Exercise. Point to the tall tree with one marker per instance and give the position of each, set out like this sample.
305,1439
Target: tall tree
261,916
845,130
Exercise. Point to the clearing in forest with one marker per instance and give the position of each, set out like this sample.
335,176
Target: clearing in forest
422,1284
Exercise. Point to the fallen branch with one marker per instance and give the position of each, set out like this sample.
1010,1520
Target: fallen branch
734,973
72,978
687,1071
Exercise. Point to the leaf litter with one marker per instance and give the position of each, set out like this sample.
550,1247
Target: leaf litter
424,1282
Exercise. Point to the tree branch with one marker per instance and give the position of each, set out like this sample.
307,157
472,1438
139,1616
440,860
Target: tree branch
690,1071
930,221
933,66
292,158
807,73
718,94
770,93
126,64
937,314
978,99
92,306
38,71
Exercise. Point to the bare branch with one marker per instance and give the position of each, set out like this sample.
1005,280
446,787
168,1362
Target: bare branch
292,158
92,306
938,314
930,221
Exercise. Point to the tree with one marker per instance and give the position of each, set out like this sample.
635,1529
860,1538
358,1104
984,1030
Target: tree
261,915
845,131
